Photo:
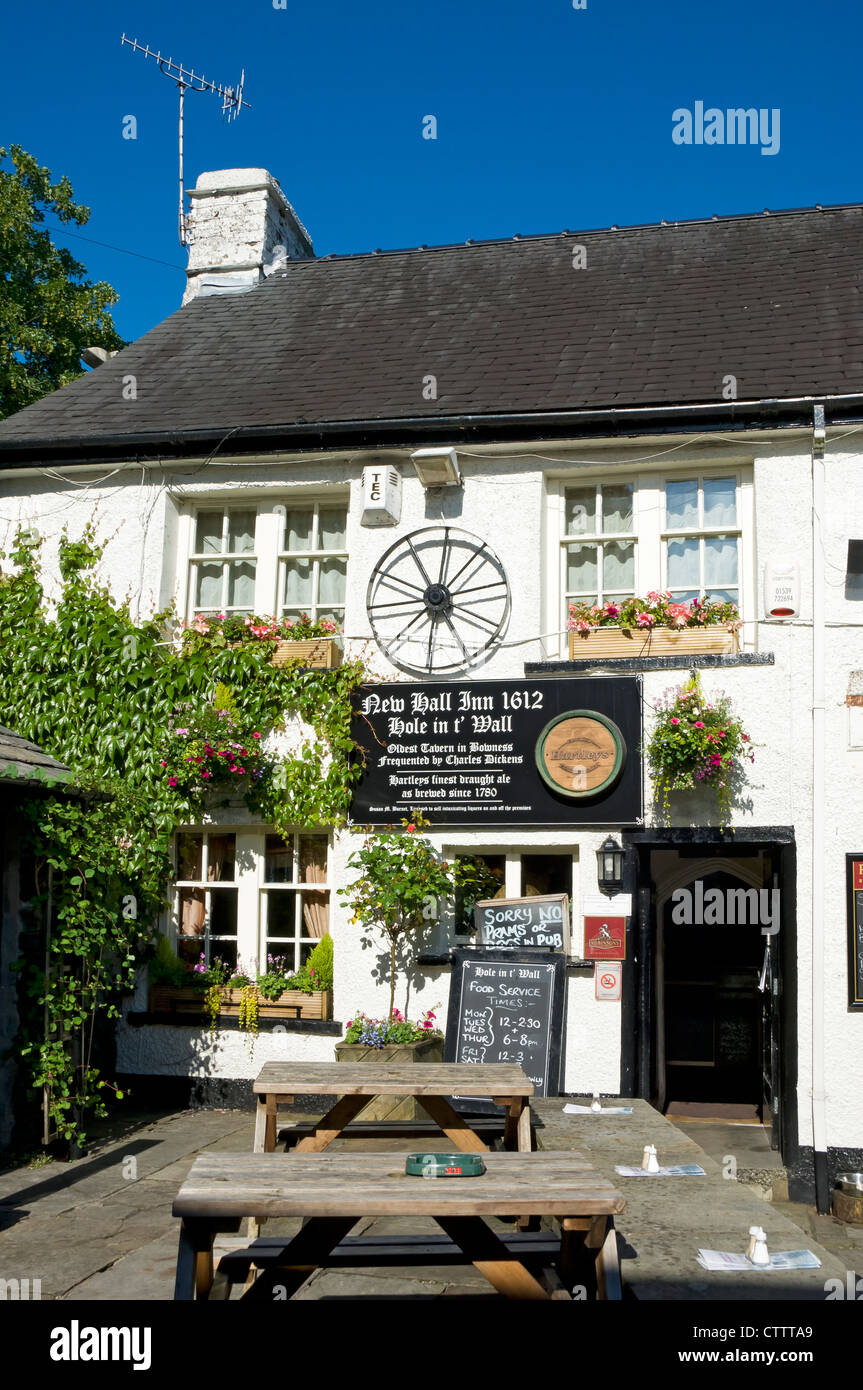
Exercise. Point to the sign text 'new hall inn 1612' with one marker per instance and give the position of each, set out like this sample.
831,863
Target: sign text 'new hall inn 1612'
554,752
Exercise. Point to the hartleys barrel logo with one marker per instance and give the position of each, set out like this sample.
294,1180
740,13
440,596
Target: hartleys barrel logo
580,753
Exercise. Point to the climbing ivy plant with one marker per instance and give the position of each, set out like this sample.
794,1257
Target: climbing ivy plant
101,693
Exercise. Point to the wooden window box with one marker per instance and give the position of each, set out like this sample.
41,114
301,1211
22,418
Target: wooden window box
322,653
661,641
293,1003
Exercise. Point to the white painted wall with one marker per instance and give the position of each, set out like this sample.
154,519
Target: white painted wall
504,501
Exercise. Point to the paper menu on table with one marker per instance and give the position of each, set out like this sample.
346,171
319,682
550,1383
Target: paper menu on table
675,1170
719,1260
606,1110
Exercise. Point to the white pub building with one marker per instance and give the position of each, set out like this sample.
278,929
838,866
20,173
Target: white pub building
443,448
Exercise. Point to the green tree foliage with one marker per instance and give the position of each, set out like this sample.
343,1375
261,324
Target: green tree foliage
399,882
101,693
48,311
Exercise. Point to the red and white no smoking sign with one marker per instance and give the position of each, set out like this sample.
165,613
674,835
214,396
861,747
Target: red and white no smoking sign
609,974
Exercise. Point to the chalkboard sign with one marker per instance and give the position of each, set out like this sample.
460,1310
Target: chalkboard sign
854,874
516,922
507,1006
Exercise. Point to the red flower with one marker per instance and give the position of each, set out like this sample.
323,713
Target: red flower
411,829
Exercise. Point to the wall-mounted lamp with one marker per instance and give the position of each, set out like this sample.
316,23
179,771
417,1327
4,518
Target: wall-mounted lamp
437,467
609,867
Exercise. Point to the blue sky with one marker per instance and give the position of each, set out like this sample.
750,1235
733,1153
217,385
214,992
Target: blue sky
547,116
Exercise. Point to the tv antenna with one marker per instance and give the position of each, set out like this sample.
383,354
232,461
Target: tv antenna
189,81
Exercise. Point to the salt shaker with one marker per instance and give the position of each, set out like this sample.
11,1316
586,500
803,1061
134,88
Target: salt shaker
595,1105
760,1255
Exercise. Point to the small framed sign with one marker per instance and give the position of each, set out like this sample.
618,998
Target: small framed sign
854,880
605,938
519,922
605,926
608,981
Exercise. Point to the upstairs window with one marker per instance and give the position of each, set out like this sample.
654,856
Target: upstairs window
701,539
689,532
313,563
269,559
600,541
224,562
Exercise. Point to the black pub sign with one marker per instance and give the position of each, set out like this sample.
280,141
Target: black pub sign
478,753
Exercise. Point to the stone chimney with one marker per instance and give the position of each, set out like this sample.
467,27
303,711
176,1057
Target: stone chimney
241,229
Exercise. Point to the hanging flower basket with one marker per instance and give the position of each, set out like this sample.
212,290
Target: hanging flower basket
697,743
653,626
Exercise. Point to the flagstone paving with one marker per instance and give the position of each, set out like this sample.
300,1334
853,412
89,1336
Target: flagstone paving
101,1228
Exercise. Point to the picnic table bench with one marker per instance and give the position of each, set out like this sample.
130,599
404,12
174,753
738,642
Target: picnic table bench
331,1192
433,1083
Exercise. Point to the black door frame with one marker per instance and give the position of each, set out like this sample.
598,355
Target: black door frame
638,1011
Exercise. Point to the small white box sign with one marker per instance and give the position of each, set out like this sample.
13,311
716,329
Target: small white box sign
600,905
609,974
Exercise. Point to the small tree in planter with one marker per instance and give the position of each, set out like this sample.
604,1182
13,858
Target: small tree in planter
400,879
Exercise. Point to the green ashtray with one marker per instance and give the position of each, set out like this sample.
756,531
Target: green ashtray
444,1165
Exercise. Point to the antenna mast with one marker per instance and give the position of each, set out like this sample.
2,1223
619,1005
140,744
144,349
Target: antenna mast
188,80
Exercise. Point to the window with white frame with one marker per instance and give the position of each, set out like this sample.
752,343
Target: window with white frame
243,895
689,532
599,542
295,897
272,559
224,562
206,897
313,563
701,538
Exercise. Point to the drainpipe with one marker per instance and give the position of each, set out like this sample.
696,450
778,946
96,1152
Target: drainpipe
819,1098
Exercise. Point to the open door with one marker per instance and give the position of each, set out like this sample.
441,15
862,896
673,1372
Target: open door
770,987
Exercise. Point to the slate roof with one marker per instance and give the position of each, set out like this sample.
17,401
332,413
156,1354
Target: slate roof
25,764
660,316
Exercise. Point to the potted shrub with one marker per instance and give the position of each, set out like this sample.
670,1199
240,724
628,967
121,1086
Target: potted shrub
302,640
393,1039
652,626
697,743
400,880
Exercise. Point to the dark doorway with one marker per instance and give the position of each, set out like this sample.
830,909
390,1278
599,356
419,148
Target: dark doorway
711,1014
662,859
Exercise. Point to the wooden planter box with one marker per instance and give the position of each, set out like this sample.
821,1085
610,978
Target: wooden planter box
164,999
392,1108
322,653
661,641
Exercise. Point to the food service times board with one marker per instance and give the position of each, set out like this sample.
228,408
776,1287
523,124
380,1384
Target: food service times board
465,752
507,1006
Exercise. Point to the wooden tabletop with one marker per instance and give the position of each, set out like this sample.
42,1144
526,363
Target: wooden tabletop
342,1184
392,1078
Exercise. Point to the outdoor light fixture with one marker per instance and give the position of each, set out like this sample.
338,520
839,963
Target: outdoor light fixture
609,867
437,467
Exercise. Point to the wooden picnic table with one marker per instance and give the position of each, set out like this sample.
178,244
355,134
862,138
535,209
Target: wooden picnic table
355,1083
332,1192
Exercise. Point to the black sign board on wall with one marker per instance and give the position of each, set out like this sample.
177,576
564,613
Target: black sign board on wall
507,1006
501,752
854,874
542,921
